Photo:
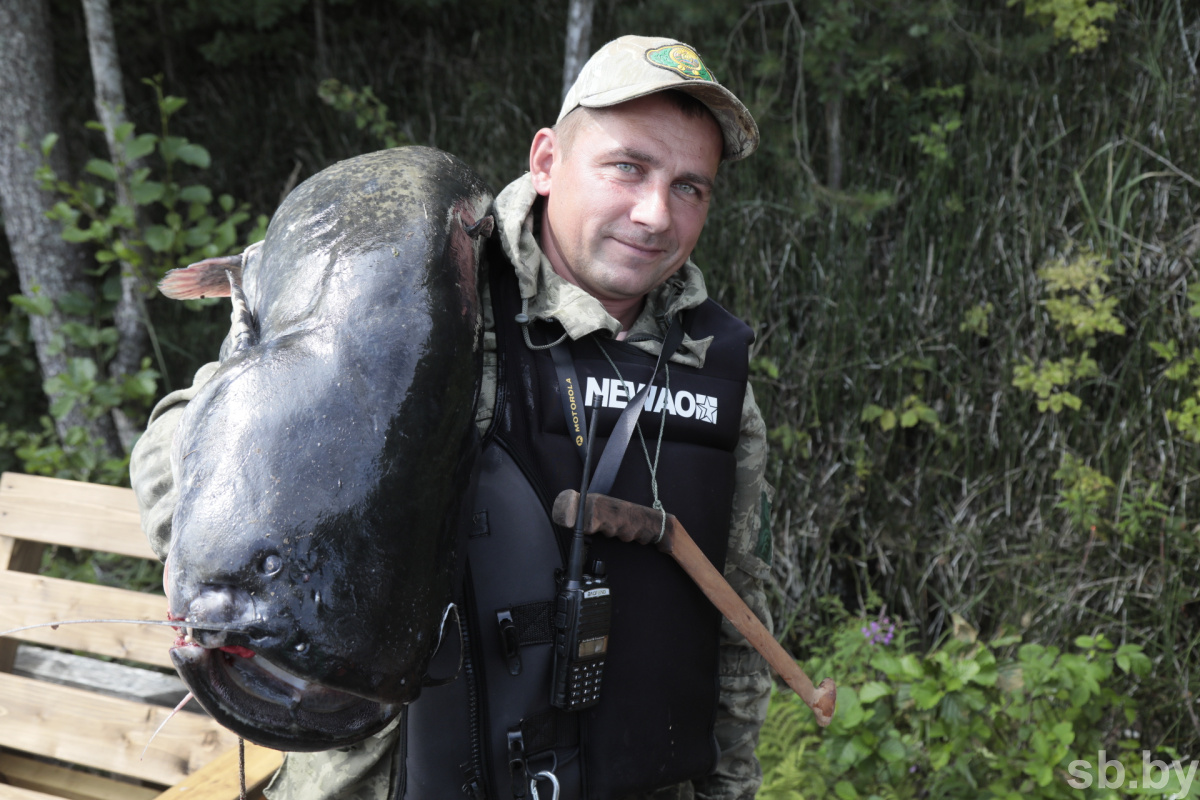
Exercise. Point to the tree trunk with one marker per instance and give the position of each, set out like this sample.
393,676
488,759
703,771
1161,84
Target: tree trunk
47,266
129,315
579,34
833,129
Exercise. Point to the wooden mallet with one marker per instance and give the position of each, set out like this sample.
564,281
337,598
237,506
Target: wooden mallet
630,522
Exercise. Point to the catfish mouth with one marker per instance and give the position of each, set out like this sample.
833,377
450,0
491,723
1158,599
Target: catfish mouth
267,705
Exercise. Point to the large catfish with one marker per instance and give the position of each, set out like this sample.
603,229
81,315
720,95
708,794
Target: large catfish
322,469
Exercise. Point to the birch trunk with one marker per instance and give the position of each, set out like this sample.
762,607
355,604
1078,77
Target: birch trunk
129,315
47,265
579,34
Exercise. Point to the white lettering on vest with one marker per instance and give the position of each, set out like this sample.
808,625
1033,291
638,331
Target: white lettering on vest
614,393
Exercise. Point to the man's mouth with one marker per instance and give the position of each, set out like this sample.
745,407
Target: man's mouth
646,251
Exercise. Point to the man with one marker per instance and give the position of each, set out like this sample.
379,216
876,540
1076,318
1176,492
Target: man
587,277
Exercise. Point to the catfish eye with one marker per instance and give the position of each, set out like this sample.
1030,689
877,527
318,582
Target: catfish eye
271,564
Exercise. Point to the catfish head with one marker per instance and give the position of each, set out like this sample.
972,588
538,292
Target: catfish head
323,469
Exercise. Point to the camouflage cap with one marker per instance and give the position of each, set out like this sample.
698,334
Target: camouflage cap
635,66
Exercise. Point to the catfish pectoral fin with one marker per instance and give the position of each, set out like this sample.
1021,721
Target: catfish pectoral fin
482,228
205,278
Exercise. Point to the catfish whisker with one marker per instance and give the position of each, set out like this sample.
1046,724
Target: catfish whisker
177,623
174,711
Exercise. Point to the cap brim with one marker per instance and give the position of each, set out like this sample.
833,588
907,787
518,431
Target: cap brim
738,128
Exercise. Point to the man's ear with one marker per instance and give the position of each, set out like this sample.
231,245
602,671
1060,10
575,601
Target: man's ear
541,159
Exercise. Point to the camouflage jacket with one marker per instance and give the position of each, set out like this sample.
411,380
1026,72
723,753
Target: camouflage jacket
366,770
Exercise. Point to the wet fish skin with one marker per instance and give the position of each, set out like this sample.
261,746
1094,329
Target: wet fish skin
322,469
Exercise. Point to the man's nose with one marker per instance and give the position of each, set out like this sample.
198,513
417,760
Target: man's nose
653,207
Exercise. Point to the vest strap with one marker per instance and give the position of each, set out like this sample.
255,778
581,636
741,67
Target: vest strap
618,440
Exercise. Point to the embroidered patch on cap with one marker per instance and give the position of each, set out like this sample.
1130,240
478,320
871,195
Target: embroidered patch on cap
682,59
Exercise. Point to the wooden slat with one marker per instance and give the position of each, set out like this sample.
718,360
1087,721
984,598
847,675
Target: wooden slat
42,780
106,733
219,779
22,556
30,599
17,793
71,513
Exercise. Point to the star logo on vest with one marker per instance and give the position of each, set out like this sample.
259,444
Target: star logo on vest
706,409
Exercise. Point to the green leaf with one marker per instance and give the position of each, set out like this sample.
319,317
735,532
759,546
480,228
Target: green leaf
61,406
892,750
873,690
226,203
148,192
159,238
927,694
194,155
196,194
76,304
888,420
170,104
39,305
140,147
101,168
845,790
48,142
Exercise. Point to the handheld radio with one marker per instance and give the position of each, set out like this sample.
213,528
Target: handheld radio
583,614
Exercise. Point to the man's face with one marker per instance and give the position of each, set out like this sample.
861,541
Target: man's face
627,194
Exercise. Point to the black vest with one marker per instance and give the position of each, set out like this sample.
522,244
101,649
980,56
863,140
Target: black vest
653,725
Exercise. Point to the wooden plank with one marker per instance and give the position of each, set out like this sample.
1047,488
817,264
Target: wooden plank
112,678
107,733
219,779
38,779
16,555
31,599
71,513
8,792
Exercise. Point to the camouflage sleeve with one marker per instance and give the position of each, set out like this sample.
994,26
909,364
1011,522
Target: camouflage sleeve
363,771
150,463
745,677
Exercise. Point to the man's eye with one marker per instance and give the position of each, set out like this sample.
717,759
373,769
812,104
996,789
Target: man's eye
687,188
626,167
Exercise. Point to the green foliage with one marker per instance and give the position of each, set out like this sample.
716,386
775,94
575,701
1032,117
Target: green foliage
910,413
968,718
170,224
976,318
75,456
1186,417
185,221
106,569
1048,379
1080,309
1074,20
369,111
1077,302
1083,493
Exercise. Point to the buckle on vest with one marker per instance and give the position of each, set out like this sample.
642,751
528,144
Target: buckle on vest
516,761
510,642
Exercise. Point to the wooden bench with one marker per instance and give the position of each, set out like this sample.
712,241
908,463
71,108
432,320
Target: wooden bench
68,742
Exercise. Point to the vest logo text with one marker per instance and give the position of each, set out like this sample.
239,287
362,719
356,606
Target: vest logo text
617,394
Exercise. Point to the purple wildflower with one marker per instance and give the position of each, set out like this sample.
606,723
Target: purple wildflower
880,631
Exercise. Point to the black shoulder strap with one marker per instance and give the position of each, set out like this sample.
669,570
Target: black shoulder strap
618,440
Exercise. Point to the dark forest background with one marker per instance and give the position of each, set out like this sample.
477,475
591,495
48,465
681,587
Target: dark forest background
968,245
